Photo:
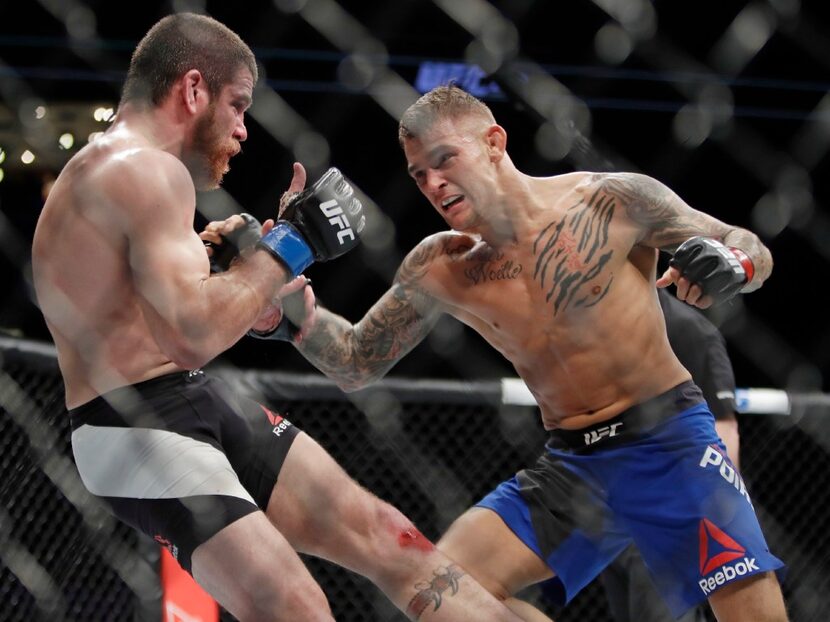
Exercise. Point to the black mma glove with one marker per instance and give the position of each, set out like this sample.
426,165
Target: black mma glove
720,271
241,238
320,223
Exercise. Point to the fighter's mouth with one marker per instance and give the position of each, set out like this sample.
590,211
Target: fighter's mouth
447,203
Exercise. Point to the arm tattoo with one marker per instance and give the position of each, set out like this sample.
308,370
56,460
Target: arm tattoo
431,592
666,219
417,263
761,258
572,254
389,331
356,355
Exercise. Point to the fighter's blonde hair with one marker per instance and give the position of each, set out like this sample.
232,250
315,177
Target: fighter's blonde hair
442,102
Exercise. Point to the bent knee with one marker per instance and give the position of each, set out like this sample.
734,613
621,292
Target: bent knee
393,533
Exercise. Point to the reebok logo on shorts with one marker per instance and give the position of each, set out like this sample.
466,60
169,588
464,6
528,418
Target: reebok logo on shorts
713,456
280,424
717,549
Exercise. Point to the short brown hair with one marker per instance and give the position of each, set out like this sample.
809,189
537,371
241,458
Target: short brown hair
448,101
181,42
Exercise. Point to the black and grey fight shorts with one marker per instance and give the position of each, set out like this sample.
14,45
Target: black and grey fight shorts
179,457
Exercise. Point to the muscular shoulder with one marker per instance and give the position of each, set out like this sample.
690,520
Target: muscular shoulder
627,186
659,217
635,193
430,257
145,176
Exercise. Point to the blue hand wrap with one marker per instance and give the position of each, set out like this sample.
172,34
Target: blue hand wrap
287,245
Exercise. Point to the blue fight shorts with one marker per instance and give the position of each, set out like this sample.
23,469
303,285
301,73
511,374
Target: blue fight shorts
656,474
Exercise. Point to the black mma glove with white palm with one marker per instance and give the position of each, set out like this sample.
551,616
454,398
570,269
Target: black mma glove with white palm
720,271
318,224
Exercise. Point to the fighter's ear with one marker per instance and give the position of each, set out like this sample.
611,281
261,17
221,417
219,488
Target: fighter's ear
194,93
496,138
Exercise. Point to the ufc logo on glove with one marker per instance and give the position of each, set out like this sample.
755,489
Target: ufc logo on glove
336,217
319,224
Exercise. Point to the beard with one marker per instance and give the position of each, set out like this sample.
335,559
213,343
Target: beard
210,152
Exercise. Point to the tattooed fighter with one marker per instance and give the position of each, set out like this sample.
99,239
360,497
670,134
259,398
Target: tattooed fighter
559,275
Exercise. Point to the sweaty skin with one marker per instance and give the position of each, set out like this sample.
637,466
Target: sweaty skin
558,274
121,277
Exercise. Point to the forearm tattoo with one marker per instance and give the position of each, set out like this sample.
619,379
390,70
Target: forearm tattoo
356,355
572,254
432,592
760,255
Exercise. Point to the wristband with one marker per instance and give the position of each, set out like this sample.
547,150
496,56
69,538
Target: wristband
746,263
286,244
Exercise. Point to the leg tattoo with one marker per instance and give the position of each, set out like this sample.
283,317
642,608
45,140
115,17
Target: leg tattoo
431,591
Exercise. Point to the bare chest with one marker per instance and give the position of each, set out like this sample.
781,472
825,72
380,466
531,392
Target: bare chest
568,266
495,293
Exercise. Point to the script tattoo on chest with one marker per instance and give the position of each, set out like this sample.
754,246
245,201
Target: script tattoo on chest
492,266
572,255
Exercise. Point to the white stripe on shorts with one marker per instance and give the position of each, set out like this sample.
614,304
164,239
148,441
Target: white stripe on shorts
143,463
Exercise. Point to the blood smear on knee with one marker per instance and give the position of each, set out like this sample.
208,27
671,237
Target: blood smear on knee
414,538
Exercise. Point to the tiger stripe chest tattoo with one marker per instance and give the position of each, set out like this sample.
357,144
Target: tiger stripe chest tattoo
573,255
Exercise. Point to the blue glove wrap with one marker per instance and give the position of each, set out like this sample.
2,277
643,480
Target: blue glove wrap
286,244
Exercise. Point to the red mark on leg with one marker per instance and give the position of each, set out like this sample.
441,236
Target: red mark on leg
413,538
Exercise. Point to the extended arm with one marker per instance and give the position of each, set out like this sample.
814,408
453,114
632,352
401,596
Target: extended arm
356,355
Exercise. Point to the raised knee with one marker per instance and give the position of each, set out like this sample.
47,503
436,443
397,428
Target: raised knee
397,534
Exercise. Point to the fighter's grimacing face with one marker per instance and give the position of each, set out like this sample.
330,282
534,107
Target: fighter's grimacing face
449,164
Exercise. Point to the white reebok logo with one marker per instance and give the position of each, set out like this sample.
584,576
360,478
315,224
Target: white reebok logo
713,457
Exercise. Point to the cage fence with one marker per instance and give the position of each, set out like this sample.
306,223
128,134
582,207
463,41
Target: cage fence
430,448
433,448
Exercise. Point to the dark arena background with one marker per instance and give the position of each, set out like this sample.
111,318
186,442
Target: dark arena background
725,102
